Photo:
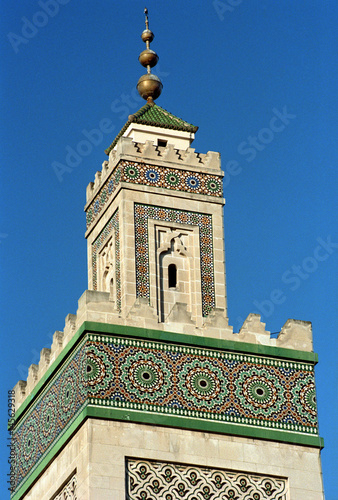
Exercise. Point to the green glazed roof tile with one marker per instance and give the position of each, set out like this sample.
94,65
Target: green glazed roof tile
154,115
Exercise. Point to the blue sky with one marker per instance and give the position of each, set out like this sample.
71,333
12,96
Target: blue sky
228,67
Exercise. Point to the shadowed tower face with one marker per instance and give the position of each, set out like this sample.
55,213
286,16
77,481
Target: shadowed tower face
147,393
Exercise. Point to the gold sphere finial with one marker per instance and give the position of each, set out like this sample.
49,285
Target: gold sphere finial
149,86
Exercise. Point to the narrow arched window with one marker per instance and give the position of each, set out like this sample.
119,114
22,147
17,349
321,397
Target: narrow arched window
172,276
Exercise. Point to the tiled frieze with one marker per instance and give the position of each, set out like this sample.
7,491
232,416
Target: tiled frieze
51,415
171,178
111,226
147,479
142,213
104,196
203,384
194,385
155,176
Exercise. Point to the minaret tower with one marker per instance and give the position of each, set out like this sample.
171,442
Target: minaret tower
147,394
165,202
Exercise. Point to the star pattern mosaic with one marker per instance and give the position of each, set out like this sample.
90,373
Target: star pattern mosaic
155,176
142,213
214,385
54,410
156,377
148,479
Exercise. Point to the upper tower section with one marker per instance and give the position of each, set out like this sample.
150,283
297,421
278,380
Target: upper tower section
155,216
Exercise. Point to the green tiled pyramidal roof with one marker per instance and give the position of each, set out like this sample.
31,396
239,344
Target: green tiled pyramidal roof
154,115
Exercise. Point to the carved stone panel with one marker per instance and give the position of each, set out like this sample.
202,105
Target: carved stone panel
148,480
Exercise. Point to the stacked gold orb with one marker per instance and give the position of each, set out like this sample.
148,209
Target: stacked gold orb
149,85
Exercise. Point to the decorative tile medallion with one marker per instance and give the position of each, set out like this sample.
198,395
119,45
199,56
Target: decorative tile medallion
155,176
150,480
142,213
112,225
150,377
202,384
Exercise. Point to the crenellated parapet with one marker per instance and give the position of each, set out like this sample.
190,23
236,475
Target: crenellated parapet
96,306
176,171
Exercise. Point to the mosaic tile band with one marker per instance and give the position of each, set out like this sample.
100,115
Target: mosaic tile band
195,383
142,213
147,480
155,176
51,415
112,225
154,377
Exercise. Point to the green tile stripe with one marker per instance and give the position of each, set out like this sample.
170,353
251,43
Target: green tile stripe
166,421
173,338
180,422
60,443
207,342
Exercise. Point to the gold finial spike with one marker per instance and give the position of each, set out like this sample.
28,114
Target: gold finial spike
149,86
148,58
147,20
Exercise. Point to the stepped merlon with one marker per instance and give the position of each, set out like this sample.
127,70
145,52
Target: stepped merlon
93,306
180,159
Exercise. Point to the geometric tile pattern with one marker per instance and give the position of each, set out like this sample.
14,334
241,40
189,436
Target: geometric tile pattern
155,176
103,197
112,225
68,492
149,480
166,379
48,419
171,178
142,213
202,383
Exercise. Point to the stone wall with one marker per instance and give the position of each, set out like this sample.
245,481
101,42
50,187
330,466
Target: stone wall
98,454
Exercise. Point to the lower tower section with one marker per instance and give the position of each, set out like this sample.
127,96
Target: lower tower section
127,412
